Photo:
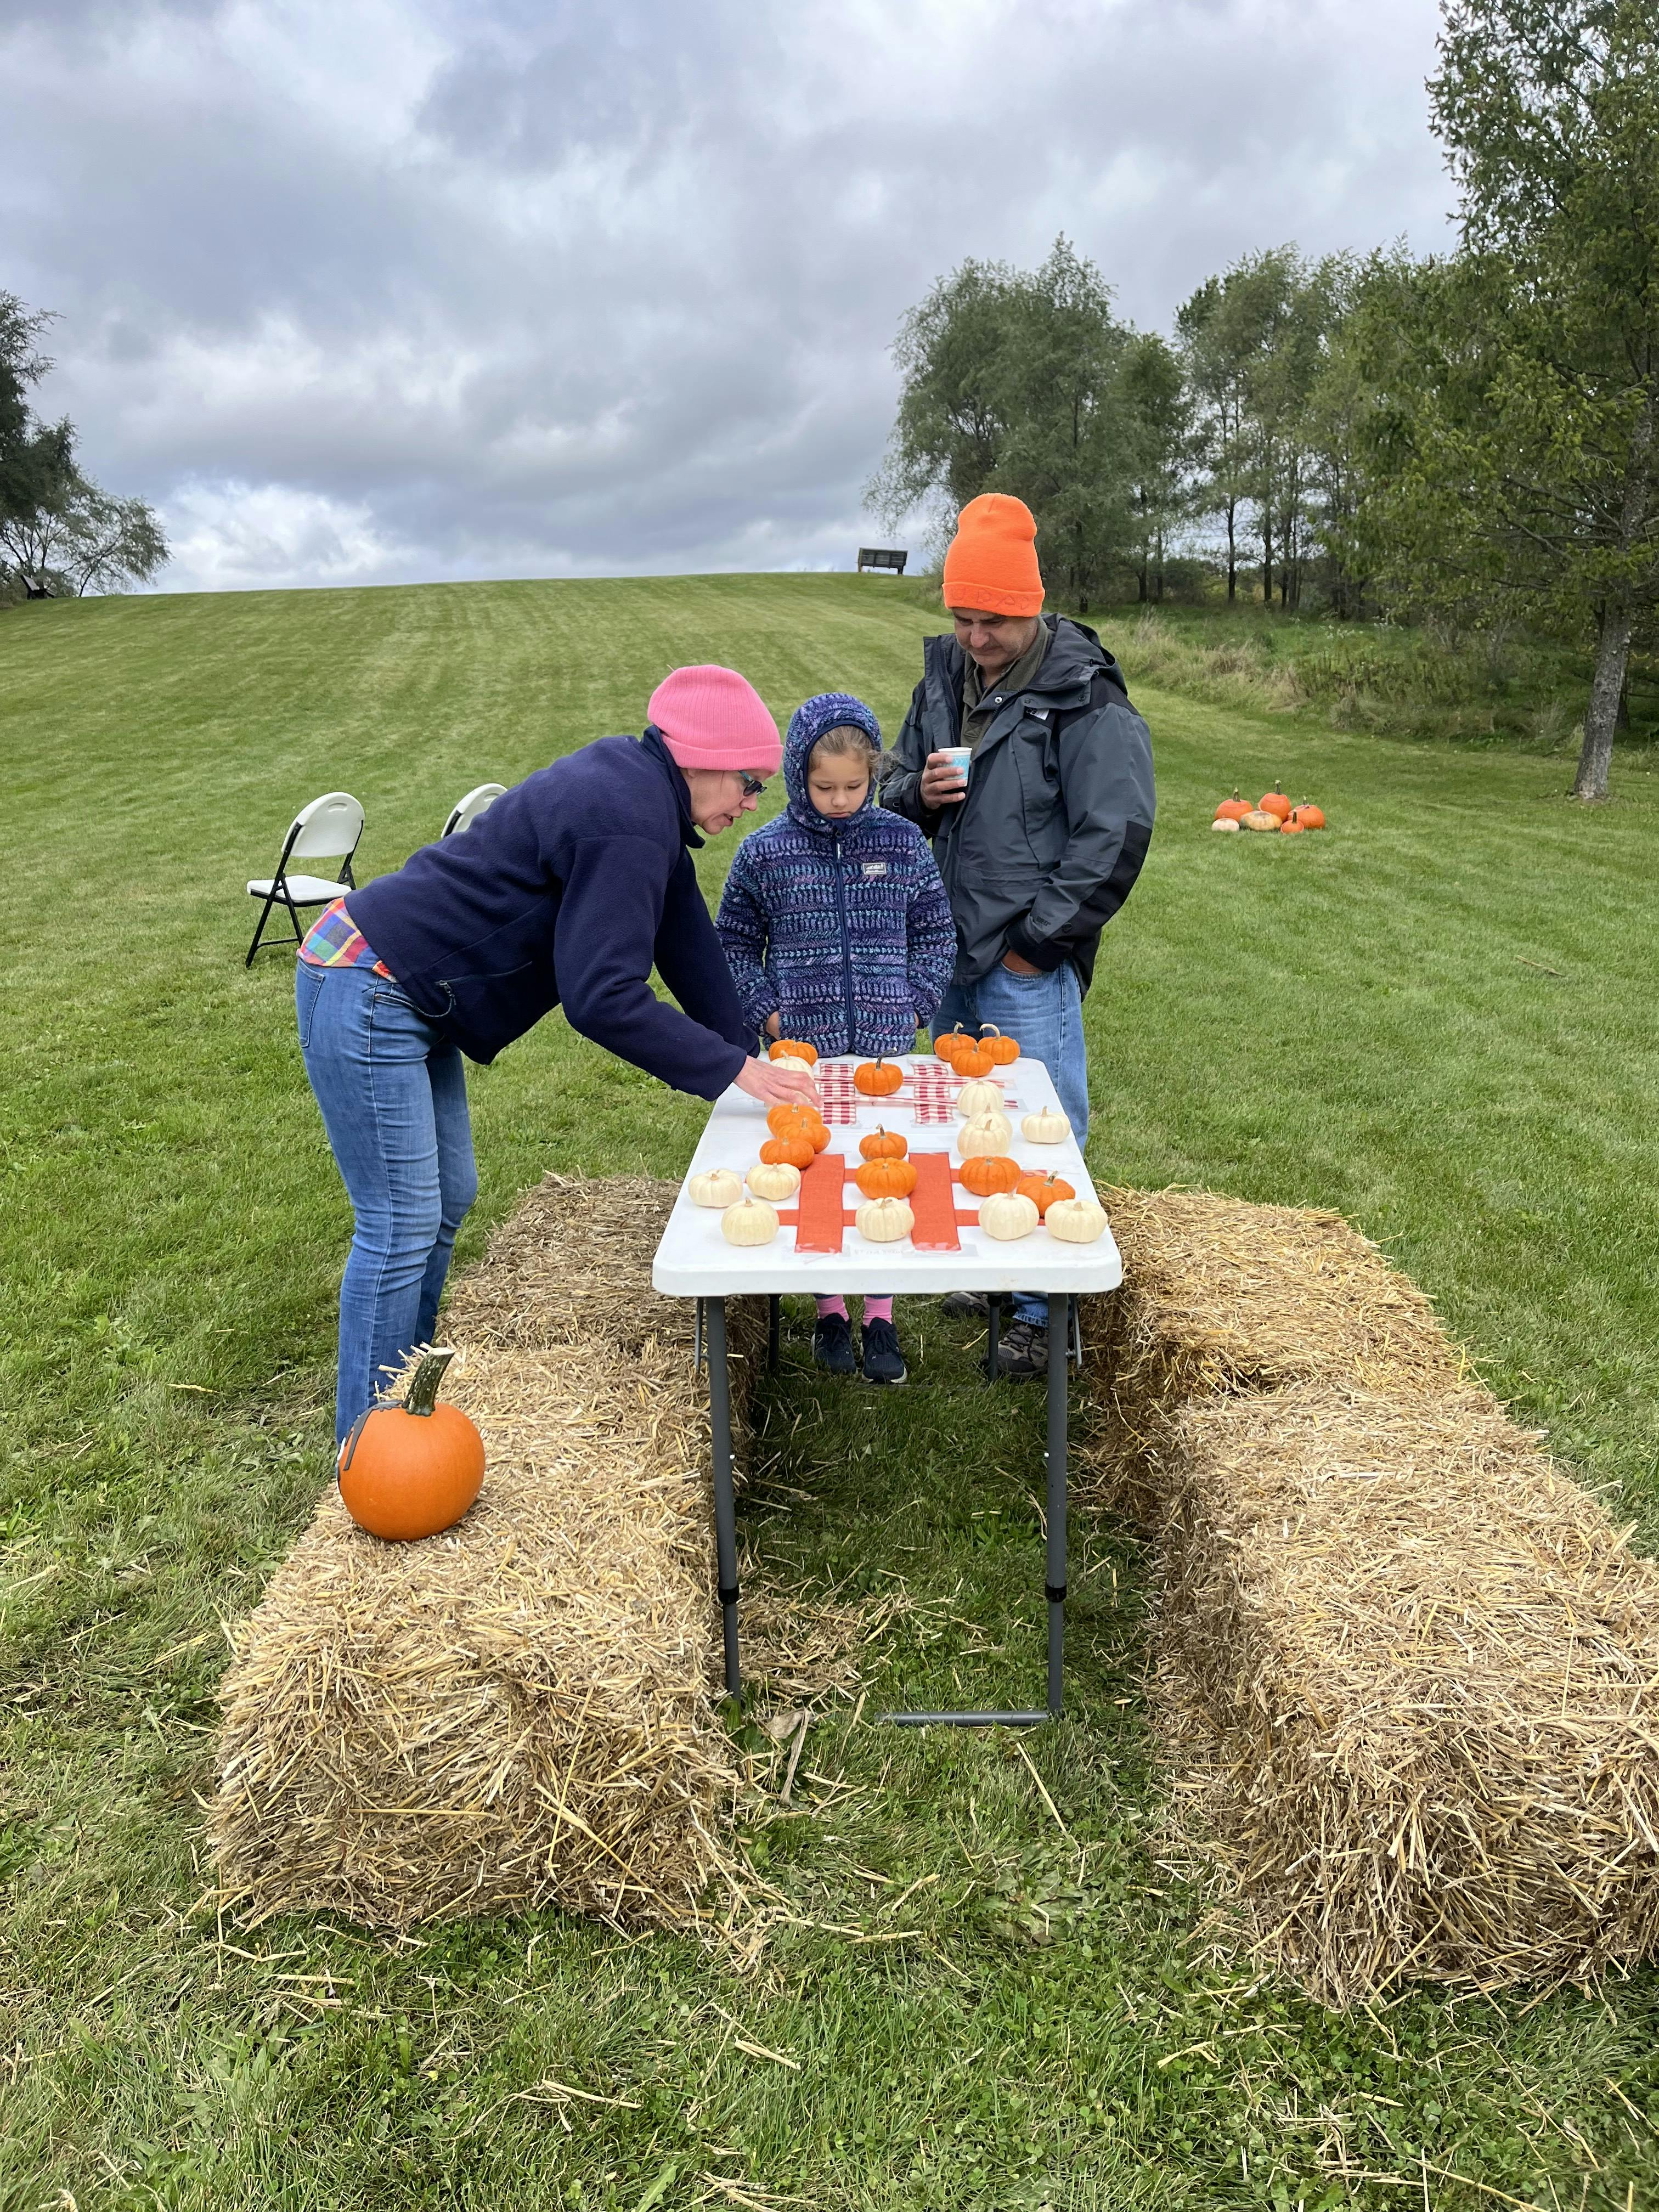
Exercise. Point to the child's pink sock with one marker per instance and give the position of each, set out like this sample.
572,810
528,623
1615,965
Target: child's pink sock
837,1308
878,1310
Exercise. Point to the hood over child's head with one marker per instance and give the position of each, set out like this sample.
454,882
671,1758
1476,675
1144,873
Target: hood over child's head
829,757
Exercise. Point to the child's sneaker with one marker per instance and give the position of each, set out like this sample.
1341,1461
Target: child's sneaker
883,1360
832,1344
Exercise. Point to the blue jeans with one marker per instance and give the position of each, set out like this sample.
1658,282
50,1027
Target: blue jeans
1044,1015
393,1095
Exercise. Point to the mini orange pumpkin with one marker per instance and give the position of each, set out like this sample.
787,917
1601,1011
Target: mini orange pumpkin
409,1471
945,1048
1274,802
990,1171
783,1120
877,1079
973,1060
883,1144
1004,1050
788,1152
1232,809
886,1178
808,1053
1043,1190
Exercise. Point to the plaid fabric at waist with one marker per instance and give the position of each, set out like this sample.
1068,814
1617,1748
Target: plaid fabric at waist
334,940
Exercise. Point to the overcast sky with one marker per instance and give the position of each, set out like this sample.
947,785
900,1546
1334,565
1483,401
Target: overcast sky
369,291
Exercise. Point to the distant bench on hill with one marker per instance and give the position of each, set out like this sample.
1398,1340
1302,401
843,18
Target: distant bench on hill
882,557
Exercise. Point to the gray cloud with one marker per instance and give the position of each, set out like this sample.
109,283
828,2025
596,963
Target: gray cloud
406,289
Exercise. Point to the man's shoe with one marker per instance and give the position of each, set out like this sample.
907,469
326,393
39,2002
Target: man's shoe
832,1345
883,1360
1022,1355
965,1305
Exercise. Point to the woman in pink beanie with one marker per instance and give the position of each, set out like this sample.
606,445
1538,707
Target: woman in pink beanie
574,886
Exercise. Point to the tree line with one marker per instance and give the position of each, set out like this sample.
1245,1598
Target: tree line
61,535
1469,436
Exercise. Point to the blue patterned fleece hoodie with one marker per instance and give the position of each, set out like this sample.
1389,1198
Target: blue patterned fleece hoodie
842,929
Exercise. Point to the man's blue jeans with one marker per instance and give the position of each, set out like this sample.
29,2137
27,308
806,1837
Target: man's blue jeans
393,1095
1044,1015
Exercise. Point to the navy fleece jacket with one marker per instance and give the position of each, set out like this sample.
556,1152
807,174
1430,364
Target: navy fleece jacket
566,892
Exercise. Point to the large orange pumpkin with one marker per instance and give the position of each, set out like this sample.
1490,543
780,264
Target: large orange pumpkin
1004,1050
1310,818
788,1152
886,1178
808,1053
972,1061
986,1172
877,1079
1043,1190
1274,802
411,1470
883,1144
1232,809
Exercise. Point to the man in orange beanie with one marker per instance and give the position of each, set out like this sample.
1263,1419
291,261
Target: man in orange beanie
1023,760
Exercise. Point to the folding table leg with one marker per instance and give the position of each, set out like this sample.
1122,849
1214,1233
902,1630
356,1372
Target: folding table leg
1055,1590
725,1519
993,1334
774,1309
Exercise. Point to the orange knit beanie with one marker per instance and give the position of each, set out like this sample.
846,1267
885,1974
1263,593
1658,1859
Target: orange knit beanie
991,564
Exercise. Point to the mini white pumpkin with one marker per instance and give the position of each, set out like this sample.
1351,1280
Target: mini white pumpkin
792,1059
985,1132
1050,1126
981,1095
1075,1220
773,1179
719,1187
750,1222
885,1221
1229,825
1008,1214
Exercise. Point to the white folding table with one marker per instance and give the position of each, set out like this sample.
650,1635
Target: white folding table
694,1261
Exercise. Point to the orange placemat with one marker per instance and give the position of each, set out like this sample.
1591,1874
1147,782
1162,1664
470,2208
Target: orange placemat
818,1220
933,1204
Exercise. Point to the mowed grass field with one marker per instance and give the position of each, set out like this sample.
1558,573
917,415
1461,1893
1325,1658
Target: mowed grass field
1439,1017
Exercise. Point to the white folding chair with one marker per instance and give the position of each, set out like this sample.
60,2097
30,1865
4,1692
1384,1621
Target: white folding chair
327,830
478,801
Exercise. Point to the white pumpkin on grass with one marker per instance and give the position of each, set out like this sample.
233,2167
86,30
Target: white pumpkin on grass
1047,1126
773,1179
719,1187
981,1095
1008,1216
985,1132
1075,1220
749,1222
885,1221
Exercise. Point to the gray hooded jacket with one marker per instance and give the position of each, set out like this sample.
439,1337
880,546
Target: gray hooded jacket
1047,844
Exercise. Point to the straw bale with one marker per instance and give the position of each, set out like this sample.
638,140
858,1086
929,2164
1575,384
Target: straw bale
1416,1671
1402,1663
515,1713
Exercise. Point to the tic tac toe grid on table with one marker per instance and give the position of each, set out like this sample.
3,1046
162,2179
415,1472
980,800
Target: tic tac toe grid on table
818,1251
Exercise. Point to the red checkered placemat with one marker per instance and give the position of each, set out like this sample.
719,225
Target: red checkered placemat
930,1091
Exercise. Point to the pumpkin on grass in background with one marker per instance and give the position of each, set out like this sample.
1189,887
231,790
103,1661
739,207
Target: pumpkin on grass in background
883,1144
795,1049
412,1470
877,1079
1274,802
1043,1190
886,1178
984,1174
1290,828
1234,809
1309,817
1258,820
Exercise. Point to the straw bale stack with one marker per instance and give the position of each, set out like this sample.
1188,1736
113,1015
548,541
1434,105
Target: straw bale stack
1405,1664
519,1711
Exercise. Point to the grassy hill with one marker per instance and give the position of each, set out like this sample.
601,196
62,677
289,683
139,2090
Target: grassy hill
1438,1018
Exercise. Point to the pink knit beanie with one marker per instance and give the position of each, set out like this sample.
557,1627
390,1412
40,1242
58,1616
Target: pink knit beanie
712,717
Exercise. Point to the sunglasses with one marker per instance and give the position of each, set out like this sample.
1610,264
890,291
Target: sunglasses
752,785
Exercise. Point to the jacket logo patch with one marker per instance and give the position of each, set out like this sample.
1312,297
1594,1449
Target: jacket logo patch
874,868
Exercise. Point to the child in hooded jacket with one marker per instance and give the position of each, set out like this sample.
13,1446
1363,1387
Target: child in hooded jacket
837,931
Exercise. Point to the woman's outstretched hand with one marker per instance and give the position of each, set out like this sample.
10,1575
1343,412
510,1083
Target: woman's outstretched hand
778,1086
